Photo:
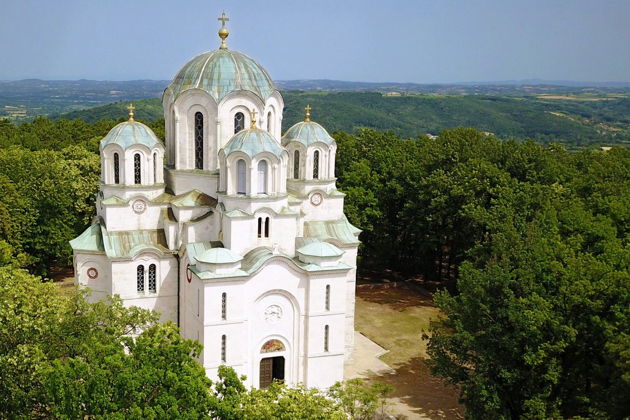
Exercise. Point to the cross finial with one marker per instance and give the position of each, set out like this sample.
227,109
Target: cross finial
223,32
131,108
253,114
308,113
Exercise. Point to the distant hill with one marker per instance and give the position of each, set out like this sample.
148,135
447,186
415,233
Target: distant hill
146,110
574,121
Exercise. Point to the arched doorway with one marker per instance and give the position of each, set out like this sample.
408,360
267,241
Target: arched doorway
271,368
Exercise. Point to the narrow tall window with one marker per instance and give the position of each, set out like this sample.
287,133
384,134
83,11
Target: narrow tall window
198,140
223,348
239,122
224,306
316,164
198,301
260,229
241,177
116,169
269,122
296,165
328,297
152,279
266,227
155,178
137,176
262,177
326,333
140,279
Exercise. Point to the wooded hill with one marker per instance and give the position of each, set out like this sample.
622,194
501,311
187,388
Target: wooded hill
576,121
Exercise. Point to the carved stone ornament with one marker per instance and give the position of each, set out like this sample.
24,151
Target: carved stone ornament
92,273
316,199
273,314
139,206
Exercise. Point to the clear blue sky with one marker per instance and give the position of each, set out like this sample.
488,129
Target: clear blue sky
422,41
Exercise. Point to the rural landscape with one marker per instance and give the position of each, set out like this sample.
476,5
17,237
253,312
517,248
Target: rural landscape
472,245
390,211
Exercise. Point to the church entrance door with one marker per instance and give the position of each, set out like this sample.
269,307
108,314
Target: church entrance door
271,368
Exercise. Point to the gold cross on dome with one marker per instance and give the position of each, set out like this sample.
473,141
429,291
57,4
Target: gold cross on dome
131,108
253,114
223,32
223,19
308,113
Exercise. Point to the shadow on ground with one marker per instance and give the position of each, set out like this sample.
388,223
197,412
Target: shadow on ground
424,394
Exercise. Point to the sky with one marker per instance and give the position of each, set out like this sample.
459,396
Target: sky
421,41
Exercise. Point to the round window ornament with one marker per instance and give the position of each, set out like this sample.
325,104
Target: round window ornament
92,273
316,199
139,206
188,273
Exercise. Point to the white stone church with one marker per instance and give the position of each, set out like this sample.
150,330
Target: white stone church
231,230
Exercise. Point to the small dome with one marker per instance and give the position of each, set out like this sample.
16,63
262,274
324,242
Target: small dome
219,256
131,132
307,133
253,142
320,249
221,72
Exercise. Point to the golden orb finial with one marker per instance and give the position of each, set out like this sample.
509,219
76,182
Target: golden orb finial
253,114
223,32
131,108
307,118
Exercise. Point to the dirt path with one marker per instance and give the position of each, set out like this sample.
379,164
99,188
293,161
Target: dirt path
393,315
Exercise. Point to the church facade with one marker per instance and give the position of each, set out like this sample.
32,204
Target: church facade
230,229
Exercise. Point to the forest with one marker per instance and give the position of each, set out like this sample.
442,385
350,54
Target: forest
575,121
525,243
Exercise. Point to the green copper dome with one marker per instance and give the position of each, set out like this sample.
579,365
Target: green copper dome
221,72
307,133
253,142
131,132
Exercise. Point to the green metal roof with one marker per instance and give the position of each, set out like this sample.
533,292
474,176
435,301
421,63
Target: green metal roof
254,260
253,142
219,256
127,244
120,244
194,198
89,240
221,72
340,231
307,133
320,249
128,133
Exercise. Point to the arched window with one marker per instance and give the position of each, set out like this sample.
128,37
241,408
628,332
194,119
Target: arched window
155,177
116,169
262,177
239,122
137,174
328,297
223,348
224,306
269,122
198,140
296,164
326,333
140,279
316,164
266,227
152,279
241,177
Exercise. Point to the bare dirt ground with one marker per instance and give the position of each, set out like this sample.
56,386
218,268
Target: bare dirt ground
394,315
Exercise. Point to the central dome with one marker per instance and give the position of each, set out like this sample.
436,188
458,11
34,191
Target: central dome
221,72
